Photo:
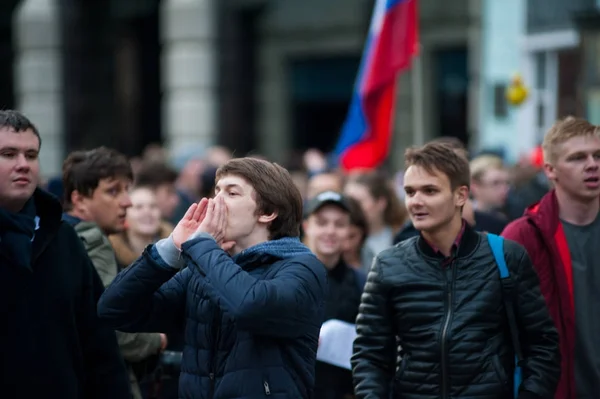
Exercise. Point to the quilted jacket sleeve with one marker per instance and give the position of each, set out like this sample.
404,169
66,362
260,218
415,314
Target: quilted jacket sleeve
145,297
374,357
100,352
289,305
539,338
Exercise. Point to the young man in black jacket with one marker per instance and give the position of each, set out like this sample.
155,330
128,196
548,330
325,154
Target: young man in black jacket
54,345
440,297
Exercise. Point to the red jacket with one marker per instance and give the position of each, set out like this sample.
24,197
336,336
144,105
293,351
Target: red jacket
542,234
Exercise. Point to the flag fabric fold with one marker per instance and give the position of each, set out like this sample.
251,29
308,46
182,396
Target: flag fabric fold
392,43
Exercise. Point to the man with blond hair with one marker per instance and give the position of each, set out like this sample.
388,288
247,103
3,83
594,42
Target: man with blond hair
561,234
490,182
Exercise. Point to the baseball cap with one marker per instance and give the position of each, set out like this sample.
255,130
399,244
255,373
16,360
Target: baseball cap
326,198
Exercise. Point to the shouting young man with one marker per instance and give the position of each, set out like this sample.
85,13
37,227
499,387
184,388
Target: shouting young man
251,298
440,297
561,234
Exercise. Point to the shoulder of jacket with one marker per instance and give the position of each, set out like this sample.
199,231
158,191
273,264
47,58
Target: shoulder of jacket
90,233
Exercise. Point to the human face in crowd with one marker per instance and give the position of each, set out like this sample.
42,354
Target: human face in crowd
327,230
354,239
492,189
143,217
167,199
243,219
19,167
431,202
373,208
107,206
576,169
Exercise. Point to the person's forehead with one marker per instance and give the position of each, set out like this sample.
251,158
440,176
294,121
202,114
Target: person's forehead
417,176
24,139
580,143
331,210
232,180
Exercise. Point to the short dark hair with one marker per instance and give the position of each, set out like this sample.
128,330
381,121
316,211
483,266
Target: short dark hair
454,143
441,157
83,170
379,186
155,174
358,218
275,192
18,122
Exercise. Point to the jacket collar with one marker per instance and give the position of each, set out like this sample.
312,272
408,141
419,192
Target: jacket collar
468,243
49,212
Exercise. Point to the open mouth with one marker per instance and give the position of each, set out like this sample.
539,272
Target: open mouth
592,180
420,214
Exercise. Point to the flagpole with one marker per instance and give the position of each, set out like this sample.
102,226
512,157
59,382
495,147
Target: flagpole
417,98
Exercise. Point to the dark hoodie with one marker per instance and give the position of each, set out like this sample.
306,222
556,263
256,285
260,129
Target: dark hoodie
53,345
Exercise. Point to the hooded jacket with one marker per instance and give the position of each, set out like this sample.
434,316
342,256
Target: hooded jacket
251,322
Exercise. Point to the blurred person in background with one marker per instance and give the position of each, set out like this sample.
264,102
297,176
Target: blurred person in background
144,226
160,178
326,228
187,185
490,182
324,181
54,346
384,211
96,186
207,182
561,234
530,184
357,235
217,156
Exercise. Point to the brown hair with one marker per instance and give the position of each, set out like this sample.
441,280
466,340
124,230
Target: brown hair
454,143
563,130
275,192
154,174
357,217
436,156
379,186
83,170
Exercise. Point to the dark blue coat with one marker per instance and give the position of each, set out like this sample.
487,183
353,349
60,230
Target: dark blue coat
251,331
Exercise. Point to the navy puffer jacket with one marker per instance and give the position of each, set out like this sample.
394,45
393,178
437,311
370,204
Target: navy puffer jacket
251,328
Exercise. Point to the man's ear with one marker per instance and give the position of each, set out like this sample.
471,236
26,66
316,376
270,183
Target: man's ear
550,171
462,195
267,218
76,198
79,201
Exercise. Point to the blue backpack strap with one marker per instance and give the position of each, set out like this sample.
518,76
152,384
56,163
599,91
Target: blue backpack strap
497,246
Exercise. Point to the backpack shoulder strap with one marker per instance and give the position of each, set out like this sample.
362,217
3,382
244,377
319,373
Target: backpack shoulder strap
497,245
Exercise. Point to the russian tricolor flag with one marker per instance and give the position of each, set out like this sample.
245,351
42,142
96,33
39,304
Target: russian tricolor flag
393,41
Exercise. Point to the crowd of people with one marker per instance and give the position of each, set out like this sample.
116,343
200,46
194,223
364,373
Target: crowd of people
211,277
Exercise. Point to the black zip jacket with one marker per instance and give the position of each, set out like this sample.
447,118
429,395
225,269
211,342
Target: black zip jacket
53,344
451,325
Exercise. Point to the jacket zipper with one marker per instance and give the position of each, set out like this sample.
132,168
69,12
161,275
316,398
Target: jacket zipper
447,319
267,388
214,352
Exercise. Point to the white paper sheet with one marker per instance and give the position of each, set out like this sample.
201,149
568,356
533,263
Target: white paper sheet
336,341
